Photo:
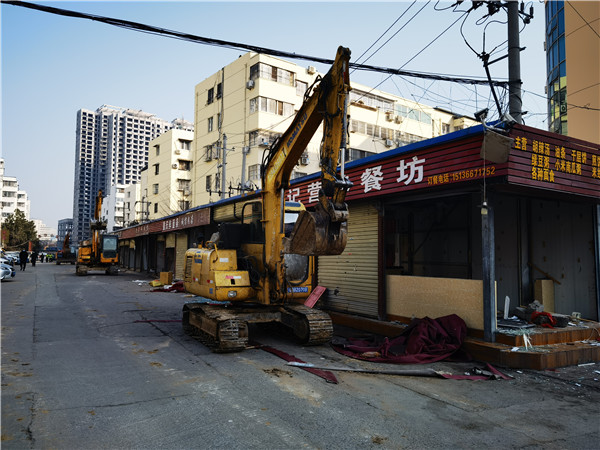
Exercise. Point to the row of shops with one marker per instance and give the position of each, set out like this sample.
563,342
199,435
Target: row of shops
437,227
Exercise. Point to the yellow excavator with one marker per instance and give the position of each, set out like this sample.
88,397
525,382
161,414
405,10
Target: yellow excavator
99,252
260,269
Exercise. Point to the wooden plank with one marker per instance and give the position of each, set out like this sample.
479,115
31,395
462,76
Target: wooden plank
410,296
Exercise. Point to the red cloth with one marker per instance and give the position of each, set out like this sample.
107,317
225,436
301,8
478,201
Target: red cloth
423,341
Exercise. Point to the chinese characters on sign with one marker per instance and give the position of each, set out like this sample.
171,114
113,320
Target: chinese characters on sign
565,161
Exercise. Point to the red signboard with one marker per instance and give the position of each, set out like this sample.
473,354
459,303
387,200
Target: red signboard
552,161
174,223
538,158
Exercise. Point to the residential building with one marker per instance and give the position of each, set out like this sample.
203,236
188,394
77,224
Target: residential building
573,53
169,178
13,198
64,226
250,102
132,203
111,149
112,207
47,235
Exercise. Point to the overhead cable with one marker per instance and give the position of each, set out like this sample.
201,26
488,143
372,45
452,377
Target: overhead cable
240,46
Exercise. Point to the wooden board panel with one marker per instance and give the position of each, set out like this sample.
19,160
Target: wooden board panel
409,296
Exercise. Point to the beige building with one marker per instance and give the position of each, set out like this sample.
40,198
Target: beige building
167,188
251,101
573,68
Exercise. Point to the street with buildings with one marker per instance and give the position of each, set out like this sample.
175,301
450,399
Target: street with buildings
102,362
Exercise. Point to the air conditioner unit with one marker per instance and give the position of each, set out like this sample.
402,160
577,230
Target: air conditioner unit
178,152
398,119
263,143
389,143
311,70
389,116
304,160
250,84
174,166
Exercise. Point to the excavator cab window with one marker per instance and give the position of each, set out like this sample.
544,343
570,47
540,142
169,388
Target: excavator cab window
252,216
297,266
109,246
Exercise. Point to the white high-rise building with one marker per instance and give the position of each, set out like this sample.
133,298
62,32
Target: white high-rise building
111,149
13,198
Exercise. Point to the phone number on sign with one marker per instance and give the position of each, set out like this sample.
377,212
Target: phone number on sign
473,173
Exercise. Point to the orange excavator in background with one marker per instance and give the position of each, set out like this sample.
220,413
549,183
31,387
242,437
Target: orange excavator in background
262,265
65,255
99,252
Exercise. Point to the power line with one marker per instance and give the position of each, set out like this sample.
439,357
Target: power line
383,34
136,26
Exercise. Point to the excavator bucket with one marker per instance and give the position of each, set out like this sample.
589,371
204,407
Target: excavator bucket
316,234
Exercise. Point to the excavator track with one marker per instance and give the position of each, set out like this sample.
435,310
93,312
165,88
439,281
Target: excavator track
225,330
311,326
217,328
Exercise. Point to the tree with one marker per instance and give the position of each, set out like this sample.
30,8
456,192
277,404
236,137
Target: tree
20,231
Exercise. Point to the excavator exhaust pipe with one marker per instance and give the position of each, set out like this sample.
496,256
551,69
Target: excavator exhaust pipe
315,233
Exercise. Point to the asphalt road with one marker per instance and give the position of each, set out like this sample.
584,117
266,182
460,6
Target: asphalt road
101,362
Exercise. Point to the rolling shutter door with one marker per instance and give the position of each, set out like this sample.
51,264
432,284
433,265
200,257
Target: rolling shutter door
352,277
180,249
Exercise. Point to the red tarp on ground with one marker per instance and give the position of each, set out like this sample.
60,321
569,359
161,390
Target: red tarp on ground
423,341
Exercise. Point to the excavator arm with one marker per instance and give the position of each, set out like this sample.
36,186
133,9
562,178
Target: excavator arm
321,231
327,105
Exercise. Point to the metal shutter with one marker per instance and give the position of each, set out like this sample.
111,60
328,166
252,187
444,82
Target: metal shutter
352,277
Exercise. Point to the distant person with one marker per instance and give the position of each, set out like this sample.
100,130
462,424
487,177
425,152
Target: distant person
34,257
23,259
41,257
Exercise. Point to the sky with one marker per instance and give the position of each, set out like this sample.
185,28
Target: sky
52,66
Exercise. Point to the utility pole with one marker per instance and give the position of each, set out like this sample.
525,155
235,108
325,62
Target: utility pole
223,164
245,151
514,62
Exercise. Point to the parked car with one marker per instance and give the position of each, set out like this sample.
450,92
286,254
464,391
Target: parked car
7,272
7,260
12,255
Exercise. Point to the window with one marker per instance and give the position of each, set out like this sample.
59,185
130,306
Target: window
445,128
219,90
184,205
184,145
268,72
155,188
183,185
301,88
254,172
184,165
217,181
208,183
157,149
271,106
156,169
210,124
156,208
211,96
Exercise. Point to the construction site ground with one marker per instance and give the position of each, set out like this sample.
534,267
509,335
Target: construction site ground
102,362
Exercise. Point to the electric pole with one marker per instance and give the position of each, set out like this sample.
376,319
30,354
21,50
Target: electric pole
514,62
223,164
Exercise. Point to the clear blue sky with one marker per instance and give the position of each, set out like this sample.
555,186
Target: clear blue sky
53,66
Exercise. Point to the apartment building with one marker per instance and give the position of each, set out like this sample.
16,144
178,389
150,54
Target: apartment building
13,198
247,104
573,52
111,149
64,226
169,175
